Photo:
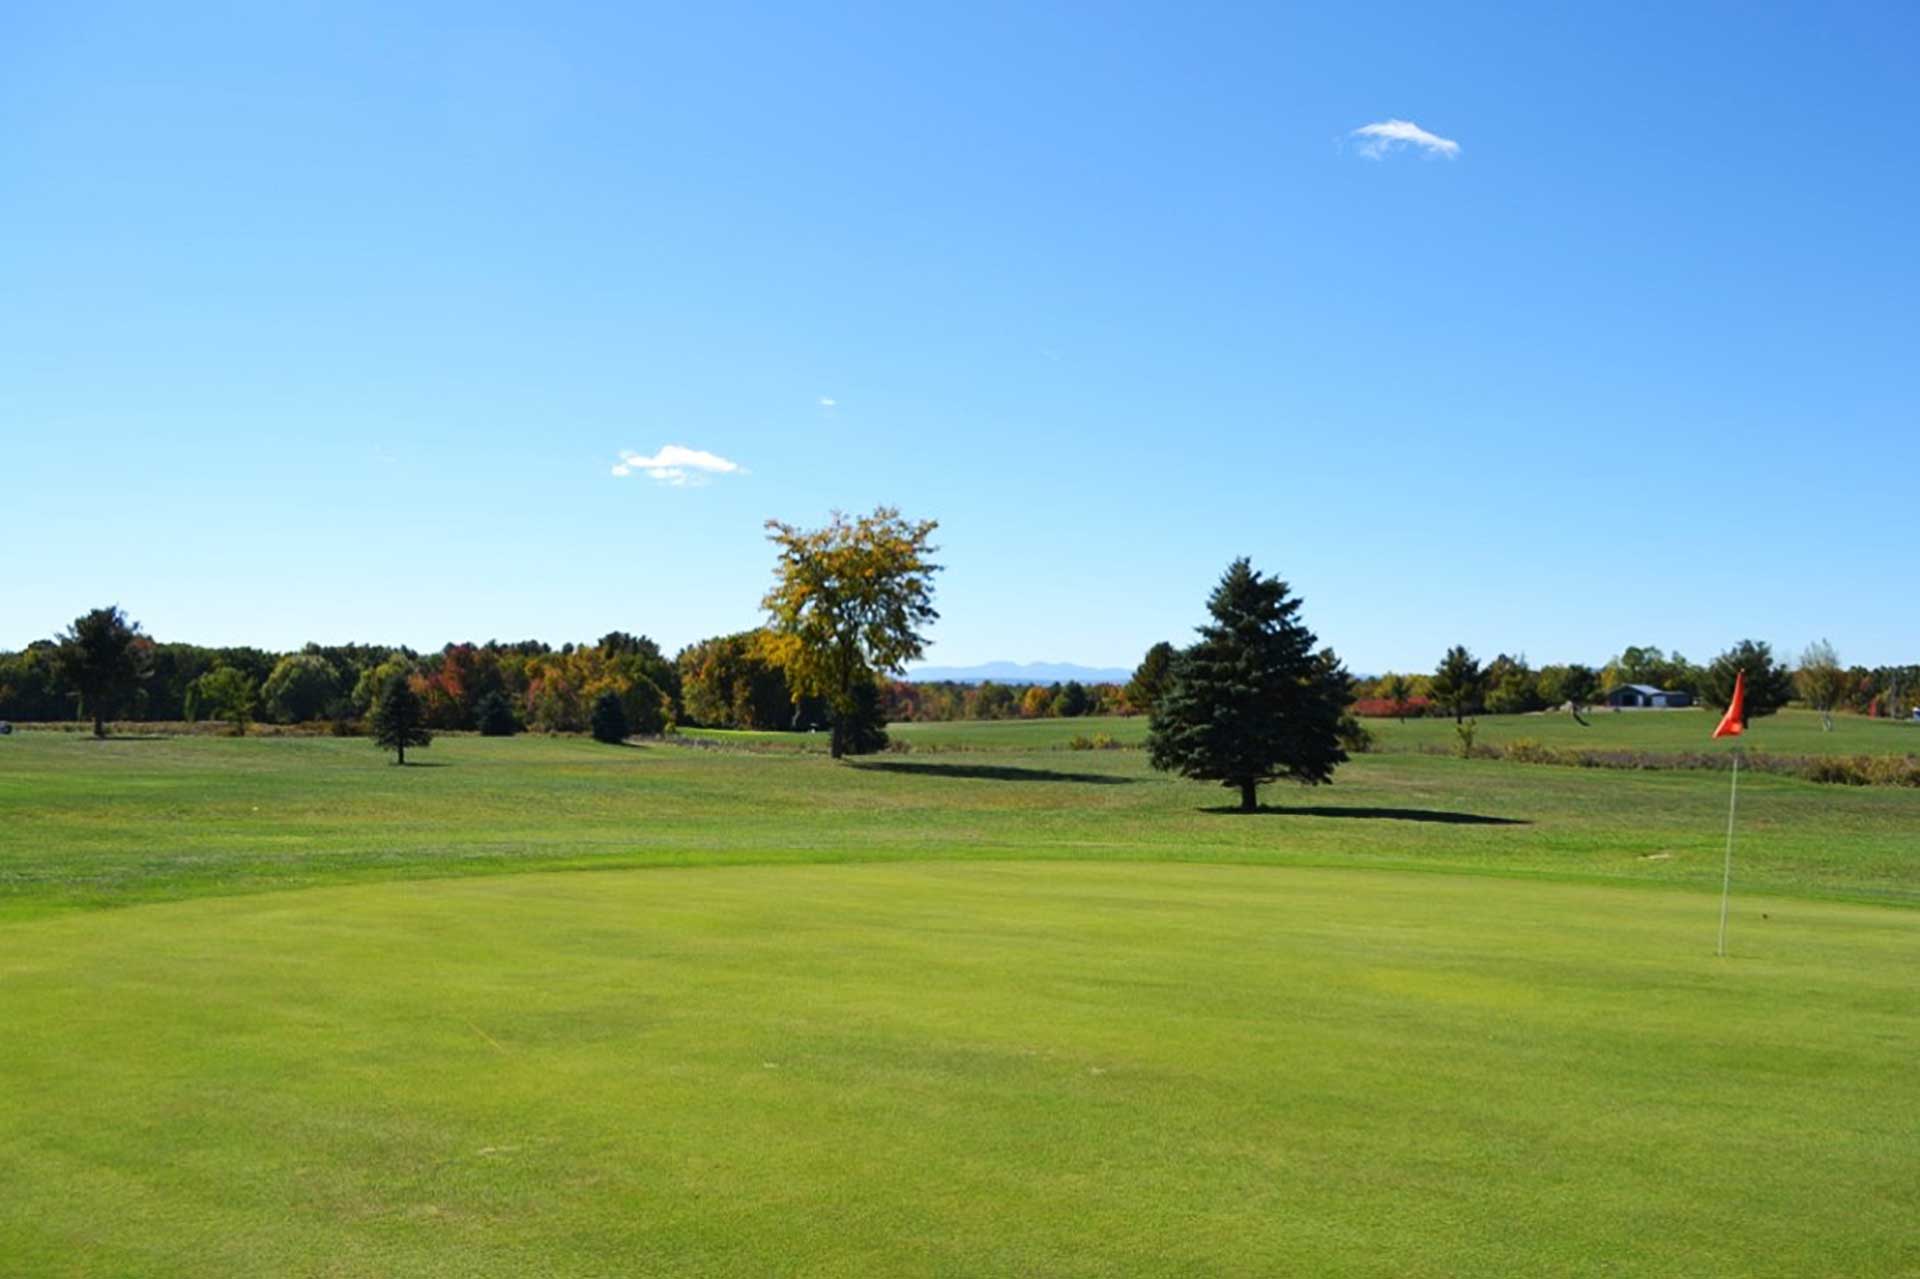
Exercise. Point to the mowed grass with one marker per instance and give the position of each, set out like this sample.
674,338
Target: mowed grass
961,1069
86,823
984,1011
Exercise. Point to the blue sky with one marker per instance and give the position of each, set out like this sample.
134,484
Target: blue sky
332,321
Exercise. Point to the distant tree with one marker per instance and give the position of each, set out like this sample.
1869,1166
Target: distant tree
1512,687
398,719
1768,683
1398,692
1150,678
1072,701
991,701
1251,702
375,678
1821,681
494,716
103,657
1037,701
302,687
1458,682
1649,665
848,604
1573,686
227,693
609,719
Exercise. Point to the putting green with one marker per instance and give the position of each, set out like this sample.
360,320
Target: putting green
961,1069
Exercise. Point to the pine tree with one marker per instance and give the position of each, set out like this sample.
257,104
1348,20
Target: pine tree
494,717
1150,678
1769,683
1458,682
398,720
1251,702
103,657
609,719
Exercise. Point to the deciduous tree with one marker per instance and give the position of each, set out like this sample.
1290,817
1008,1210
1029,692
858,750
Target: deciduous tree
849,602
1821,681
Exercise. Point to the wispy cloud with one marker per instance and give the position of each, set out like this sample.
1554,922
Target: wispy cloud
1377,140
677,466
828,402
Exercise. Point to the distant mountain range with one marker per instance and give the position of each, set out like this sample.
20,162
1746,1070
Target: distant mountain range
1021,673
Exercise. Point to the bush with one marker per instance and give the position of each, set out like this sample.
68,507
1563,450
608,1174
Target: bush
609,719
1464,730
1079,742
494,717
1385,708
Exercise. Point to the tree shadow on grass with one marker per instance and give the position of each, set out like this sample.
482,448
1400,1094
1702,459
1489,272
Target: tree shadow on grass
992,773
1440,816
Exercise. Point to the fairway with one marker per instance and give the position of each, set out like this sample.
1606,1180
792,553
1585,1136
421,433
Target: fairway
274,1006
960,1069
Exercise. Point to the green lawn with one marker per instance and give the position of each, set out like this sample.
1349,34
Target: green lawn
275,1007
1790,732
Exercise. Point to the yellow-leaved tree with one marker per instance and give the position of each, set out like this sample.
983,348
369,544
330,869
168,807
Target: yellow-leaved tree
848,604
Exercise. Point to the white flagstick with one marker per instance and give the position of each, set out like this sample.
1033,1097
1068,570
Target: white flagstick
1726,872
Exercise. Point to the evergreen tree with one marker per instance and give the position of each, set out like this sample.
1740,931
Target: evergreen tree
103,657
1150,678
1458,682
398,720
1072,701
609,719
494,717
1251,702
1769,683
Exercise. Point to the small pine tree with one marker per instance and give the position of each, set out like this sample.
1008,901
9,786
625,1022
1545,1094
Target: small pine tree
495,717
1150,678
1769,683
1458,682
1252,702
398,720
609,719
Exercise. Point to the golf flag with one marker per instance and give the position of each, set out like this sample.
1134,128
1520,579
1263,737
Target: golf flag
1732,723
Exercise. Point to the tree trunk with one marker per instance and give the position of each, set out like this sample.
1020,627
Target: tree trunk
1249,801
401,752
99,726
837,742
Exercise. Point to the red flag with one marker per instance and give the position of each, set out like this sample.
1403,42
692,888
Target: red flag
1733,723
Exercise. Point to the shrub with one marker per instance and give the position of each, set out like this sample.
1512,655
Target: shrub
609,719
1079,742
1105,742
1464,730
1386,708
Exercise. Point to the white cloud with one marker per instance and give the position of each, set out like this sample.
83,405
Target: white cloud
1391,135
677,466
827,402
